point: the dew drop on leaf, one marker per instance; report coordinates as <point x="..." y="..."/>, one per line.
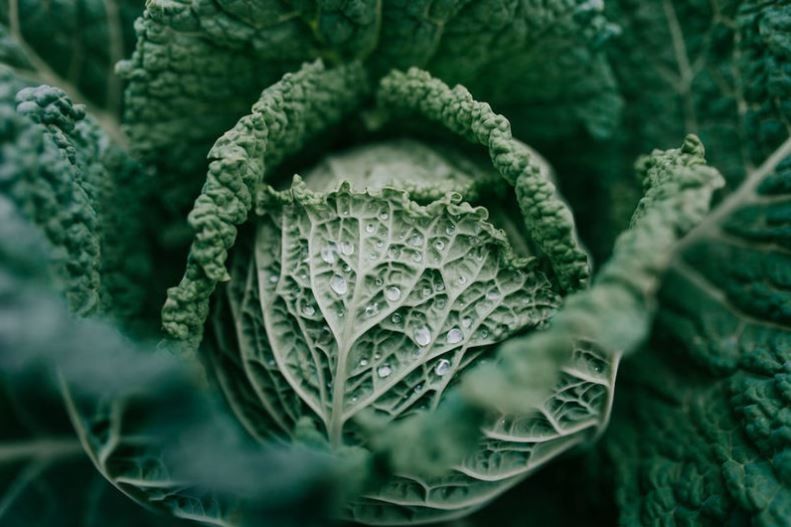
<point x="347" y="248"/>
<point x="371" y="309"/>
<point x="455" y="336"/>
<point x="439" y="245"/>
<point x="396" y="318"/>
<point x="493" y="295"/>
<point x="442" y="367"/>
<point x="308" y="310"/>
<point x="384" y="371"/>
<point x="466" y="322"/>
<point x="339" y="285"/>
<point x="370" y="228"/>
<point x="392" y="293"/>
<point x="422" y="336"/>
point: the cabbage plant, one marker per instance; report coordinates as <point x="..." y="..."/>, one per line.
<point x="299" y="262"/>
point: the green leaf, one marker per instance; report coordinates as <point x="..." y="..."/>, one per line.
<point x="73" y="45"/>
<point x="718" y="69"/>
<point x="200" y="64"/>
<point x="548" y="220"/>
<point x="288" y="115"/>
<point x="701" y="435"/>
<point x="85" y="192"/>
<point x="45" y="476"/>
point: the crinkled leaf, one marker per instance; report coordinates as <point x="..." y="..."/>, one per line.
<point x="287" y="116"/>
<point x="85" y="192"/>
<point x="718" y="69"/>
<point x="200" y="64"/>
<point x="702" y="432"/>
<point x="73" y="45"/>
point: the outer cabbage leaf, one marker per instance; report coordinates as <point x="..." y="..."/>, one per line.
<point x="41" y="457"/>
<point x="83" y="190"/>
<point x="717" y="68"/>
<point x="73" y="45"/>
<point x="702" y="432"/>
<point x="76" y="415"/>
<point x="199" y="64"/>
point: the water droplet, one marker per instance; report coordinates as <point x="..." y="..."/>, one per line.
<point x="466" y="322"/>
<point x="271" y="363"/>
<point x="441" y="303"/>
<point x="371" y="309"/>
<point x="396" y="318"/>
<point x="371" y="257"/>
<point x="392" y="293"/>
<point x="347" y="268"/>
<point x="328" y="254"/>
<point x="384" y="371"/>
<point x="425" y="292"/>
<point x="462" y="279"/>
<point x="493" y="295"/>
<point x="347" y="248"/>
<point x="377" y="356"/>
<point x="379" y="281"/>
<point x="339" y="285"/>
<point x="442" y="367"/>
<point x="304" y="277"/>
<point x="341" y="312"/>
<point x="455" y="336"/>
<point x="273" y="279"/>
<point x="353" y="399"/>
<point x="439" y="287"/>
<point x="370" y="228"/>
<point x="417" y="257"/>
<point x="363" y="362"/>
<point x="418" y="388"/>
<point x="416" y="240"/>
<point x="598" y="368"/>
<point x="480" y="256"/>
<point x="450" y="229"/>
<point x="422" y="336"/>
<point x="308" y="310"/>
<point x="484" y="333"/>
<point x="380" y="244"/>
<point x="383" y="216"/>
<point x="439" y="245"/>
<point x="393" y="252"/>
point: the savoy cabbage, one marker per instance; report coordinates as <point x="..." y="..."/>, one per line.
<point x="392" y="262"/>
